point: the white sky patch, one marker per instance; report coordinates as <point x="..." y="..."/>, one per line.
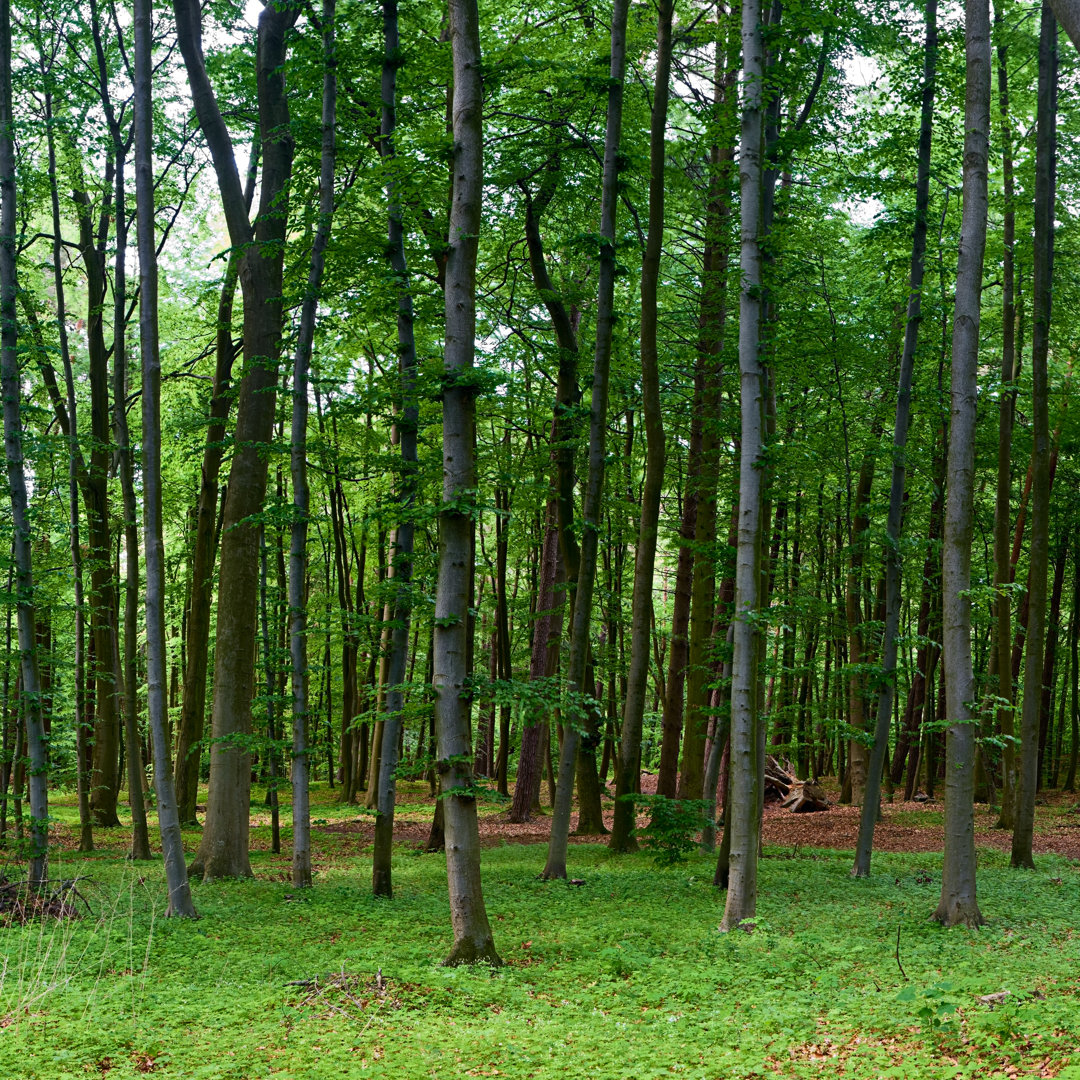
<point x="252" y="11"/>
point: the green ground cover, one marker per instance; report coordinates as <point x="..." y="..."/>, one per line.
<point x="624" y="976"/>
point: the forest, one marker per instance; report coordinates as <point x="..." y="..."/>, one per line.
<point x="588" y="475"/>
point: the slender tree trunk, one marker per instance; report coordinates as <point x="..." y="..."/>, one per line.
<point x="1039" y="556"/>
<point x="193" y="701"/>
<point x="893" y="567"/>
<point x="172" y="845"/>
<point x="1074" y="670"/>
<point x="1006" y="408"/>
<point x="16" y="474"/>
<point x="743" y="815"/>
<point x="591" y="504"/>
<point x="473" y="942"/>
<point x="958" y="894"/>
<point x="543" y="665"/>
<point x="224" y="848"/>
<point x="407" y="425"/>
<point x="627" y="775"/>
<point x="140" y="838"/>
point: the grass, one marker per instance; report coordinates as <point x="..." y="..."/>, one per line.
<point x="625" y="976"/>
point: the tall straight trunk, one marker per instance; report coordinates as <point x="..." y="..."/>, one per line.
<point x="407" y="424"/>
<point x="298" y="625"/>
<point x="193" y="702"/>
<point x="125" y="667"/>
<point x="105" y="782"/>
<point x="140" y="839"/>
<point x="1046" y="688"/>
<point x="1039" y="550"/>
<point x="1074" y="672"/>
<point x="712" y="318"/>
<point x="16" y="474"/>
<point x="958" y="894"/>
<point x="746" y="766"/>
<point x="853" y="612"/>
<point x="473" y="942"/>
<point x="893" y="567"/>
<point x="594" y="484"/>
<point x="543" y="664"/>
<point x="223" y="851"/>
<point x="1006" y="409"/>
<point x="84" y="722"/>
<point x="172" y="845"/>
<point x="641" y="616"/>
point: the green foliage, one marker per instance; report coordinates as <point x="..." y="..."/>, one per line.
<point x="673" y="826"/>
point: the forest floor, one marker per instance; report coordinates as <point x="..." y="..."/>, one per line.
<point x="904" y="826"/>
<point x="623" y="978"/>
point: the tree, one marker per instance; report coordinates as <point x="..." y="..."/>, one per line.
<point x="747" y="761"/>
<point x="893" y="569"/>
<point x="473" y="942"/>
<point x="223" y="851"/>
<point x="958" y="889"/>
<point x="1028" y="774"/>
<point x="16" y="475"/>
<point x="180" y="902"/>
<point x="622" y="835"/>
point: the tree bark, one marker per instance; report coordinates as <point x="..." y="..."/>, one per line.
<point x="16" y="475"/>
<point x="958" y="891"/>
<point x="627" y="774"/>
<point x="1039" y="551"/>
<point x="746" y="763"/>
<point x="473" y="942"/>
<point x="193" y="703"/>
<point x="407" y="425"/>
<point x="591" y="503"/>
<point x="1003" y="571"/>
<point x="224" y="848"/>
<point x="172" y="845"/>
<point x="893" y="566"/>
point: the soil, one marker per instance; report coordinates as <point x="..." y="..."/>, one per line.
<point x="905" y="826"/>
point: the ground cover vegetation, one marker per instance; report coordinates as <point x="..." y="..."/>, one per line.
<point x="599" y="417"/>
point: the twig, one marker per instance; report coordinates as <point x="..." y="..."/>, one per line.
<point x="898" y="964"/>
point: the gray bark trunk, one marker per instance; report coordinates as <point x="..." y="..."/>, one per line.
<point x="958" y="891"/>
<point x="590" y="511"/>
<point x="893" y="566"/>
<point x="407" y="424"/>
<point x="1006" y="406"/>
<point x="1039" y="557"/>
<point x="473" y="942"/>
<point x="627" y="774"/>
<point x="16" y="475"/>
<point x="172" y="845"/>
<point x="743" y="816"/>
<point x="224" y="848"/>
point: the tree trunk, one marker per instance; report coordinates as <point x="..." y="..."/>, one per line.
<point x="193" y="702"/>
<point x="13" y="453"/>
<point x="958" y="893"/>
<point x="893" y="566"/>
<point x="172" y="845"/>
<point x="743" y="815"/>
<point x="407" y="424"/>
<point x="543" y="665"/>
<point x="1006" y="409"/>
<point x="591" y="504"/>
<point x="627" y="774"/>
<point x="1039" y="551"/>
<point x="224" y="848"/>
<point x="140" y="839"/>
<point x="473" y="942"/>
